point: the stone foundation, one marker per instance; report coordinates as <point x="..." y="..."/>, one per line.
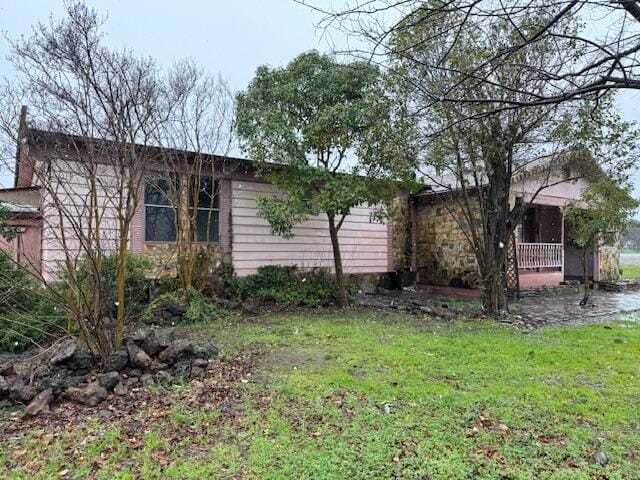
<point x="163" y="258"/>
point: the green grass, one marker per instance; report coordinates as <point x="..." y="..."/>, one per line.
<point x="465" y="400"/>
<point x="630" y="272"/>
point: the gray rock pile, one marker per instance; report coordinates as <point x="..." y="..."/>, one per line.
<point x="149" y="356"/>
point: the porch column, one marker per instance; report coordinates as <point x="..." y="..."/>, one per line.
<point x="562" y="239"/>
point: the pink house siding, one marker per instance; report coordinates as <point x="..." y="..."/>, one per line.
<point x="364" y="244"/>
<point x="225" y="219"/>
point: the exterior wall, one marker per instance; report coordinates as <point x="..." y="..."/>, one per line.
<point x="442" y="249"/>
<point x="364" y="244"/>
<point x="162" y="257"/>
<point x="68" y="188"/>
<point x="26" y="247"/>
<point x="21" y="196"/>
<point x="540" y="279"/>
<point x="609" y="263"/>
<point x="560" y="194"/>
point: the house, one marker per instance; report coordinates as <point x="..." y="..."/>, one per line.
<point x="424" y="239"/>
<point x="544" y="253"/>
<point x="240" y="237"/>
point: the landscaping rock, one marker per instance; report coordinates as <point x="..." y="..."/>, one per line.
<point x="19" y="392"/>
<point x="197" y="372"/>
<point x="64" y="352"/>
<point x="169" y="312"/>
<point x="227" y="304"/>
<point x="250" y="307"/>
<point x="109" y="380"/>
<point x="178" y="350"/>
<point x="182" y="370"/>
<point x="147" y="380"/>
<point x="4" y="388"/>
<point x="204" y="351"/>
<point x="104" y="414"/>
<point x="157" y="365"/>
<point x="601" y="458"/>
<point x="61" y="381"/>
<point x="117" y="361"/>
<point x="133" y="381"/>
<point x="7" y="369"/>
<point x="200" y="362"/>
<point x="157" y="340"/>
<point x="39" y="404"/>
<point x="120" y="389"/>
<point x="81" y="361"/>
<point x="90" y="395"/>
<point x="164" y="377"/>
<point x="137" y="356"/>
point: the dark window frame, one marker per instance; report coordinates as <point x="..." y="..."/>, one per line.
<point x="214" y="232"/>
<point x="213" y="207"/>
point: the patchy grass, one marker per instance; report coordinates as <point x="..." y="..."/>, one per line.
<point x="376" y="396"/>
<point x="630" y="272"/>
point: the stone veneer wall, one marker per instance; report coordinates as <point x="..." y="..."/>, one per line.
<point x="162" y="257"/>
<point x="400" y="241"/>
<point x="609" y="263"/>
<point x="442" y="249"/>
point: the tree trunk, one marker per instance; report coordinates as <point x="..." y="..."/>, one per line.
<point x="585" y="279"/>
<point x="495" y="241"/>
<point x="337" y="261"/>
<point x="121" y="279"/>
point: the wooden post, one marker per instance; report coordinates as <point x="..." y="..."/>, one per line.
<point x="562" y="239"/>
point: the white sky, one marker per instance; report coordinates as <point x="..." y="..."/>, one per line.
<point x="227" y="37"/>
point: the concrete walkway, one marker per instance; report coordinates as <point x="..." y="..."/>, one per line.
<point x="564" y="309"/>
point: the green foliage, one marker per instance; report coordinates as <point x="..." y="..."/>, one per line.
<point x="287" y="286"/>
<point x="601" y="213"/>
<point x="26" y="315"/>
<point x="6" y="231"/>
<point x="136" y="283"/>
<point x="199" y="308"/>
<point x="320" y="119"/>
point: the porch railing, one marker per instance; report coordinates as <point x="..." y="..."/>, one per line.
<point x="539" y="255"/>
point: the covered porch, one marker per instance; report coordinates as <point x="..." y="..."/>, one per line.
<point x="544" y="253"/>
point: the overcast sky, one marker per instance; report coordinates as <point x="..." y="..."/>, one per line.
<point x="227" y="37"/>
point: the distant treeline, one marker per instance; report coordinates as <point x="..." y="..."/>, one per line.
<point x="630" y="239"/>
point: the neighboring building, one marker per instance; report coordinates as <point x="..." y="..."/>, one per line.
<point x="544" y="251"/>
<point x="25" y="247"/>
<point x="240" y="237"/>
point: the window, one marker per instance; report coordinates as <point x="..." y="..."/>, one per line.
<point x="207" y="203"/>
<point x="160" y="215"/>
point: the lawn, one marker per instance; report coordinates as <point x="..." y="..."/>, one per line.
<point x="371" y="396"/>
<point x="630" y="272"/>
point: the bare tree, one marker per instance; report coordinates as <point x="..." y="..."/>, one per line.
<point x="196" y="137"/>
<point x="473" y="149"/>
<point x="100" y="109"/>
<point x="604" y="54"/>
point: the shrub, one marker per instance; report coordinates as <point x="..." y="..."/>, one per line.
<point x="287" y="286"/>
<point x="136" y="283"/>
<point x="199" y="308"/>
<point x="26" y="314"/>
